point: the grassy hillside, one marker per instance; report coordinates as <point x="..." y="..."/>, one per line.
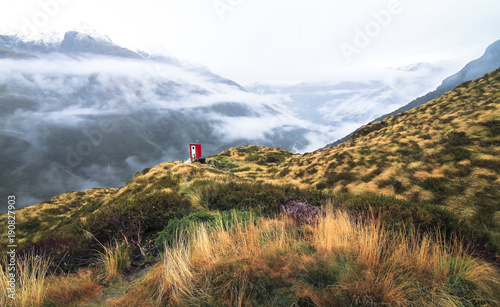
<point x="410" y="217"/>
<point x="446" y="152"/>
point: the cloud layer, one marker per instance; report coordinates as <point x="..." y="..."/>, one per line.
<point x="73" y="123"/>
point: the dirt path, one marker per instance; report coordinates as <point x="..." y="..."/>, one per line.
<point x="116" y="291"/>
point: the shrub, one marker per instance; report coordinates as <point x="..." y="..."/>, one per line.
<point x="365" y="130"/>
<point x="410" y="151"/>
<point x="272" y="159"/>
<point x="169" y="181"/>
<point x="299" y="174"/>
<point x="273" y="170"/>
<point x="247" y="149"/>
<point x="253" y="158"/>
<point x="284" y="172"/>
<point x="243" y="169"/>
<point x="489" y="164"/>
<point x="225" y="165"/>
<point x="67" y="251"/>
<point x="453" y="147"/>
<point x="261" y="198"/>
<point x="456" y="153"/>
<point x="176" y="227"/>
<point x="426" y="217"/>
<point x="493" y="126"/>
<point x="370" y="176"/>
<point x="144" y="215"/>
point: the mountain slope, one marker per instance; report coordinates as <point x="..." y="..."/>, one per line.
<point x="489" y="61"/>
<point x="444" y="152"/>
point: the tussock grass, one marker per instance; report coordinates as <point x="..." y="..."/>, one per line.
<point x="36" y="286"/>
<point x="115" y="259"/>
<point x="51" y="218"/>
<point x="72" y="289"/>
<point x="340" y="260"/>
<point x="31" y="281"/>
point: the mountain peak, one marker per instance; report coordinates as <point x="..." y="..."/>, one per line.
<point x="79" y="40"/>
<point x="76" y="35"/>
<point x="85" y="30"/>
<point x="91" y="42"/>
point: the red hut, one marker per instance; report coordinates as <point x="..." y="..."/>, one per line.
<point x="194" y="152"/>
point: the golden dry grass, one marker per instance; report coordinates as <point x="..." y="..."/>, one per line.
<point x="72" y="289"/>
<point x="48" y="217"/>
<point x="35" y="286"/>
<point x="30" y="281"/>
<point x="221" y="267"/>
<point x="115" y="259"/>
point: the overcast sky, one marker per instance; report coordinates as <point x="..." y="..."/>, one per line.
<point x="279" y="40"/>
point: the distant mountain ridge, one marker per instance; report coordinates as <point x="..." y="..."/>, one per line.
<point x="76" y="43"/>
<point x="73" y="42"/>
<point x="489" y="61"/>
